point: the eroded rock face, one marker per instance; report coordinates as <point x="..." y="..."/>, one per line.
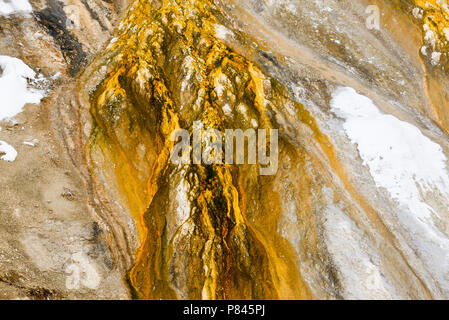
<point x="51" y="244"/>
<point x="329" y="223"/>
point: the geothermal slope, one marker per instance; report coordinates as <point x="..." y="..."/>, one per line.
<point x="92" y="206"/>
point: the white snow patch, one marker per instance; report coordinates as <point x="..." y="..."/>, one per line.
<point x="14" y="90"/>
<point x="8" y="7"/>
<point x="7" y="152"/>
<point x="291" y="7"/>
<point x="408" y="165"/>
